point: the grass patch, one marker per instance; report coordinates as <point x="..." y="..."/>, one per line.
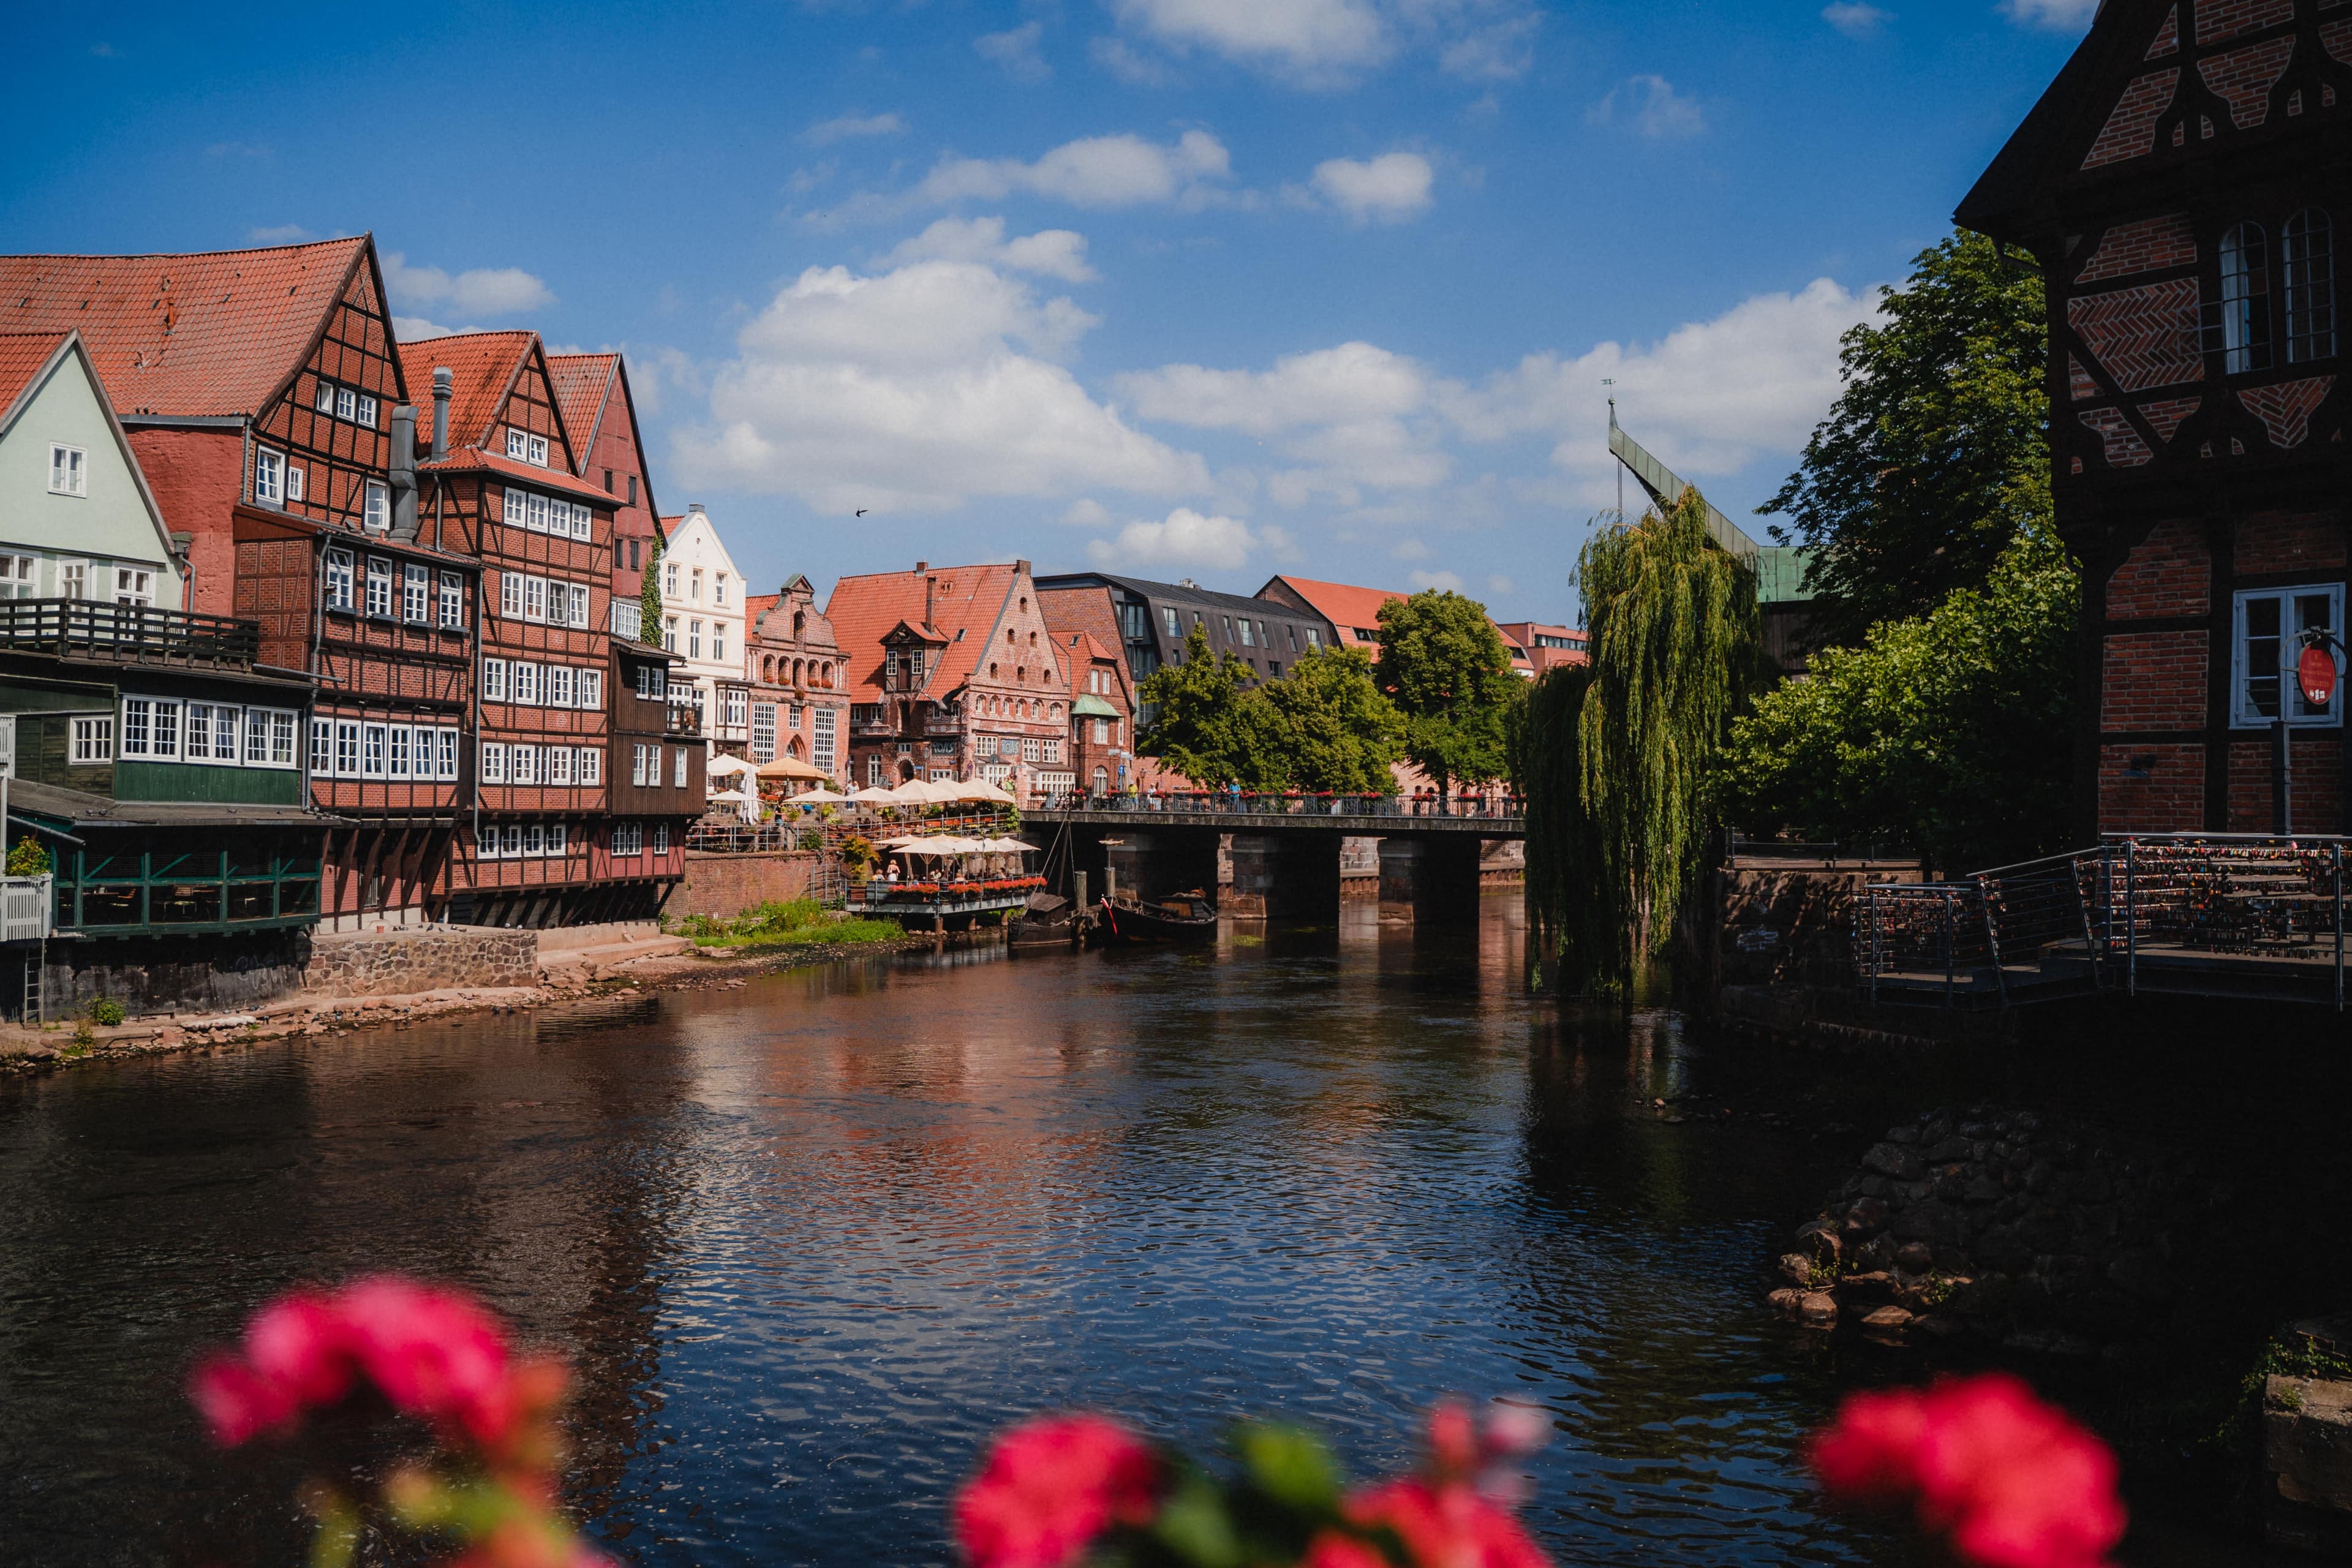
<point x="804" y="922"/>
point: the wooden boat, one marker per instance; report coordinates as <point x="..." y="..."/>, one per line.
<point x="1048" y="919"/>
<point x="1182" y="916"/>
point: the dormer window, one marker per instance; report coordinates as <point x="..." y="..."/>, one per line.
<point x="2307" y="250"/>
<point x="529" y="449"/>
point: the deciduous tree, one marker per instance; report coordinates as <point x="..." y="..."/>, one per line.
<point x="1445" y="668"/>
<point x="1212" y="724"/>
<point x="1339" y="732"/>
<point x="1935" y="456"/>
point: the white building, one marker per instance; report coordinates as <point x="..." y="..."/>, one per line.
<point x="702" y="623"/>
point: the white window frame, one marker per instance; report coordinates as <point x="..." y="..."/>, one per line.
<point x="2243" y="713"/>
<point x="591" y="765"/>
<point x="485" y="843"/>
<point x="556" y="837"/>
<point x="68" y="470"/>
<point x="366" y="413"/>
<point x="347" y="402"/>
<point x="93" y="740"/>
<point x="578" y="595"/>
<point x="269" y="476"/>
<point x="513" y="840"/>
<point x="347" y="748"/>
<point x="134" y="586"/>
<point x="377" y="517"/>
<point x="341" y="588"/>
<point x="534" y="599"/>
<point x="494" y="681"/>
<point x="526" y="683"/>
<point x="373" y="739"/>
<point x="562" y="686"/>
<point x="293" y="481"/>
<point x="661" y="837"/>
<point x="510" y="595"/>
<point x="453" y="602"/>
<point x="396" y="751"/>
<point x="322" y="748"/>
<point x="73" y="578"/>
<point x="415" y="593"/>
<point x="592" y="688"/>
<point x="679" y="782"/>
<point x="494" y="763"/>
<point x="378" y="606"/>
<point x="628" y="839"/>
<point x="445" y="755"/>
<point x="559" y="766"/>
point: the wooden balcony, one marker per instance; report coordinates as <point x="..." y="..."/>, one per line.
<point x="83" y="628"/>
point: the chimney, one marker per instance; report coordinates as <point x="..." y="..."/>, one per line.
<point x="930" y="586"/>
<point x="444" y="382"/>
<point x="693" y="508"/>
<point x="922" y="566"/>
<point x="403" y="472"/>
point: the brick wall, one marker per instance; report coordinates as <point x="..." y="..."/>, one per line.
<point x="2152" y="788"/>
<point x="2130" y="130"/>
<point x="724" y="885"/>
<point x="196" y="476"/>
<point x="2318" y="783"/>
<point x="2245" y="77"/>
<point x="2289" y="542"/>
<point x="2153" y="681"/>
<point x="2169" y="573"/>
<point x="2150" y="246"/>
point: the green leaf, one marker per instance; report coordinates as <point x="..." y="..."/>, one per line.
<point x="1290" y="1466"/>
<point x="1195" y="1524"/>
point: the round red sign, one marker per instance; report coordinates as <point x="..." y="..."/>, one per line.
<point x="2317" y="673"/>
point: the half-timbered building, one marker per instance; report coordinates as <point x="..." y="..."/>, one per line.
<point x="264" y="396"/>
<point x="600" y="415"/>
<point x="500" y="482"/>
<point x="2178" y="185"/>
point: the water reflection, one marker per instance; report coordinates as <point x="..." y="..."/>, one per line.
<point x="811" y="1241"/>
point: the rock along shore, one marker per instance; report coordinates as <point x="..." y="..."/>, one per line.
<point x="2005" y="1227"/>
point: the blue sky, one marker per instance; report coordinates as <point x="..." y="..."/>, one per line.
<point x="1205" y="288"/>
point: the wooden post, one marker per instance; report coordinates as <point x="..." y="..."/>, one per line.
<point x="2281" y="781"/>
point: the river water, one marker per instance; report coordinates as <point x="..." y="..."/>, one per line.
<point x="810" y="1241"/>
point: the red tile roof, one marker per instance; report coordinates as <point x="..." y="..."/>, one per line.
<point x="554" y="481"/>
<point x="865" y="610"/>
<point x="206" y="334"/>
<point x="582" y="383"/>
<point x="22" y="355"/>
<point x="482" y="366"/>
<point x="758" y="605"/>
<point x="1345" y="606"/>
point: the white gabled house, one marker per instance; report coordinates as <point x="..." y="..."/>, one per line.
<point x="702" y="598"/>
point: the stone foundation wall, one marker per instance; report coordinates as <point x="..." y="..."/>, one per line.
<point x="224" y="974"/>
<point x="402" y="963"/>
<point x="724" y="885"/>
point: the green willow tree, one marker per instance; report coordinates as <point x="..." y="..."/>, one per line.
<point x="1615" y="759"/>
<point x="1935" y="455"/>
<point x="1445" y="666"/>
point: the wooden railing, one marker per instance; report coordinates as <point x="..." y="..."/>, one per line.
<point x="24" y="909"/>
<point x="139" y="632"/>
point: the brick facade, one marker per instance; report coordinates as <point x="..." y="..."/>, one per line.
<point x="2154" y="788"/>
<point x="2290" y="543"/>
<point x="2154" y="680"/>
<point x="2169" y="573"/>
<point x="2151" y="245"/>
<point x="2318" y="785"/>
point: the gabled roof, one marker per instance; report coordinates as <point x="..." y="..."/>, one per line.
<point x="554" y="479"/>
<point x="1345" y="606"/>
<point x="582" y="386"/>
<point x="1071" y="581"/>
<point x="26" y="361"/>
<point x="483" y="368"/>
<point x="204" y="334"/>
<point x="758" y="605"/>
<point x="967" y="599"/>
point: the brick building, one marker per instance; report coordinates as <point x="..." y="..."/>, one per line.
<point x="1086" y="626"/>
<point x="601" y="416"/>
<point x="264" y="397"/>
<point x="501" y="484"/>
<point x="953" y="674"/>
<point x="2178" y="183"/>
<point x="800" y="701"/>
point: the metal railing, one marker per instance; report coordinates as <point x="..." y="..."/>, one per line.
<point x="1211" y="803"/>
<point x="127" y="631"/>
<point x="2208" y="913"/>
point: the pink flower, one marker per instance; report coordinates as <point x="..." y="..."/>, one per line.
<point x="236" y="1402"/>
<point x="1329" y="1549"/>
<point x="1052" y="1485"/>
<point x="2013" y="1482"/>
<point x="433" y="1353"/>
<point x="1444" y="1527"/>
<point x="298" y="1343"/>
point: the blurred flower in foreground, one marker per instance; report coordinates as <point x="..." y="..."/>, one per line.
<point x="433" y="1354"/>
<point x="2010" y="1481"/>
<point x="1056" y="1490"/>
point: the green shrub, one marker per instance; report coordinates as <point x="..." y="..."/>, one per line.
<point x="28" y="858"/>
<point x="105" y="1012"/>
<point x="812" y="842"/>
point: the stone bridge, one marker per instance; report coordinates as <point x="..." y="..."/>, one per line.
<point x="1286" y="855"/>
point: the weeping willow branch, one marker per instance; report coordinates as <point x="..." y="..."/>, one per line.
<point x="1616" y="755"/>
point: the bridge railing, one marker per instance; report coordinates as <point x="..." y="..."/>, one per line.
<point x="1213" y="802"/>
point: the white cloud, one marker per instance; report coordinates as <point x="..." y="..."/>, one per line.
<point x="1445" y="582"/>
<point x="1127" y="63"/>
<point x="1015" y="50"/>
<point x="1708" y="398"/>
<point x="488" y="290"/>
<point x="918" y="389"/>
<point x="1501" y="52"/>
<point x="1053" y="252"/>
<point x="1085" y="512"/>
<point x="1651" y="106"/>
<point x="1500" y="586"/>
<point x="1854" y="19"/>
<point x="1314" y="41"/>
<point x="2059" y="15"/>
<point x="1389" y="188"/>
<point x="417" y="328"/>
<point x="1409" y="550"/>
<point x="842" y="128"/>
<point x="1185" y="538"/>
<point x="1096" y="171"/>
<point x="280" y="234"/>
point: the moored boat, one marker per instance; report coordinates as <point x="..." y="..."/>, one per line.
<point x="1182" y="917"/>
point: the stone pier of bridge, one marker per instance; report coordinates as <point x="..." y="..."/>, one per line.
<point x="1290" y="874"/>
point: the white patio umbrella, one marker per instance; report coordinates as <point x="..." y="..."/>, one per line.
<point x="981" y="789"/>
<point x="723" y="765"/>
<point x="817" y="797"/>
<point x="875" y="795"/>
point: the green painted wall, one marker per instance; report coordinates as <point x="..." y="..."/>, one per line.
<point x="111" y="524"/>
<point x="196" y="781"/>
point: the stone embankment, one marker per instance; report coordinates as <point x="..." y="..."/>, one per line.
<point x="2003" y="1228"/>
